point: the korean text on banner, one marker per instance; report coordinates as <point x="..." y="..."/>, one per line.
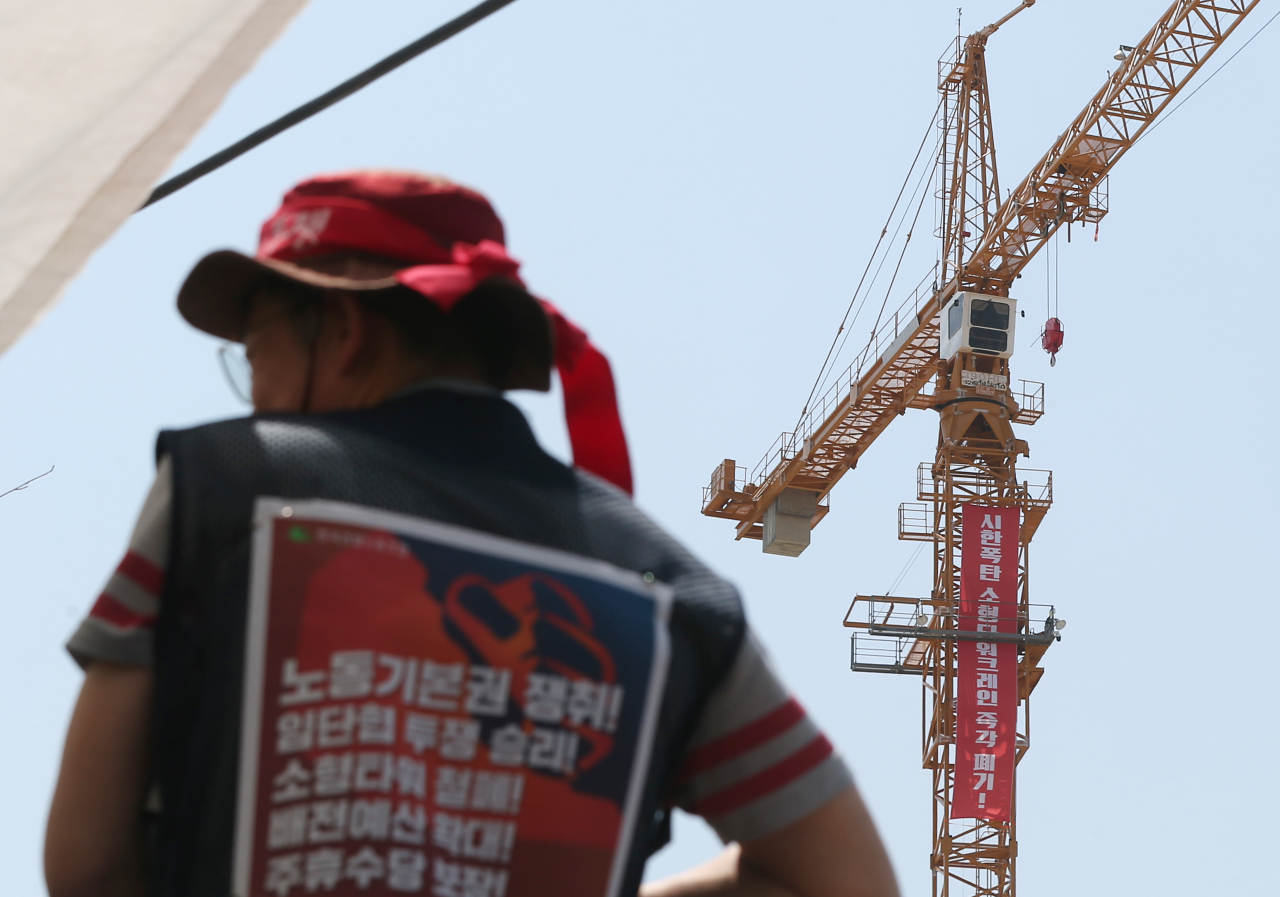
<point x="430" y="710"/>
<point x="987" y="705"/>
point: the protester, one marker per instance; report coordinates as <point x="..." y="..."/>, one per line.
<point x="372" y="639"/>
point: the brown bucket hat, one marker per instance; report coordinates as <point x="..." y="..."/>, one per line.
<point x="366" y="231"/>
<point x="345" y="231"/>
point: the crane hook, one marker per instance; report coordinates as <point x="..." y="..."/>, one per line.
<point x="1051" y="339"/>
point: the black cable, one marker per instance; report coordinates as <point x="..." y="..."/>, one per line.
<point x="325" y="100"/>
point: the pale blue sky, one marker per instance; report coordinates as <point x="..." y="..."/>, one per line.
<point x="699" y="185"/>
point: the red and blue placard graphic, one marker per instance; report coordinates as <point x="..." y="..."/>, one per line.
<point x="431" y="710"/>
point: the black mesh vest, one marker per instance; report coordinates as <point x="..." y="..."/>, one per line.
<point x="462" y="459"/>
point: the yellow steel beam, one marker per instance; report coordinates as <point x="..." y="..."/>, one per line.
<point x="1058" y="187"/>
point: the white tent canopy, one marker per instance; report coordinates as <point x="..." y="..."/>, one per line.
<point x="97" y="100"/>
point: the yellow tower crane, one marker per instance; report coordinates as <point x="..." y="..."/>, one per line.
<point x="947" y="348"/>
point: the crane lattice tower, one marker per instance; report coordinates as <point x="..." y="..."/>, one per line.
<point x="947" y="348"/>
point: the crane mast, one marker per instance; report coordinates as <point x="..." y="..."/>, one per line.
<point x="944" y="336"/>
<point x="975" y="463"/>
<point x="971" y="188"/>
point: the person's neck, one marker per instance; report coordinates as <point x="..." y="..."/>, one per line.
<point x="380" y="384"/>
<point x="446" y="384"/>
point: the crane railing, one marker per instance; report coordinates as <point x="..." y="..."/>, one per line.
<point x="891" y="633"/>
<point x="898" y="360"/>
<point x="891" y="328"/>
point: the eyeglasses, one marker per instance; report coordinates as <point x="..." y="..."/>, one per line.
<point x="236" y="368"/>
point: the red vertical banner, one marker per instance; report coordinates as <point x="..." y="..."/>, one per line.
<point x="987" y="703"/>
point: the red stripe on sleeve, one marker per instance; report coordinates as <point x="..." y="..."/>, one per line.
<point x="766" y="781"/>
<point x="739" y="741"/>
<point x="112" y="611"/>
<point x="143" y="572"/>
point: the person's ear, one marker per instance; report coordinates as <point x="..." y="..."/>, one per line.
<point x="351" y="331"/>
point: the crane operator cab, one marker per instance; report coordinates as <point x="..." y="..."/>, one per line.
<point x="977" y="323"/>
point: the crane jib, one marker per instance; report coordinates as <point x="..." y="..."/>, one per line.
<point x="1067" y="185"/>
<point x="974" y="638"/>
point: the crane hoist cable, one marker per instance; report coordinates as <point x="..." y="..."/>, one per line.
<point x="327" y="99"/>
<point x="1052" y="334"/>
<point x="1048" y="281"/>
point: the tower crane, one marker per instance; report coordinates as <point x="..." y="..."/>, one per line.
<point x="947" y="348"/>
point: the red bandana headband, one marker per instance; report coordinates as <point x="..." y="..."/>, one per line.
<point x="310" y="226"/>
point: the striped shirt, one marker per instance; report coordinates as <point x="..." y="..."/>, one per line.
<point x="120" y="624"/>
<point x="756" y="763"/>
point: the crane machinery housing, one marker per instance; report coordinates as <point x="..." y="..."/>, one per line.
<point x="947" y="347"/>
